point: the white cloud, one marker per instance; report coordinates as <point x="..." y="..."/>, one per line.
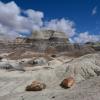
<point x="62" y="25"/>
<point x="94" y="11"/>
<point x="6" y="33"/>
<point x="86" y="37"/>
<point x="36" y="16"/>
<point x="12" y="22"/>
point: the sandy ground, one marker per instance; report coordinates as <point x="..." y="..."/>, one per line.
<point x="13" y="83"/>
<point x="12" y="87"/>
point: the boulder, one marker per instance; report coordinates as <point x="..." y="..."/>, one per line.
<point x="68" y="82"/>
<point x="11" y="64"/>
<point x="38" y="61"/>
<point x="35" y="86"/>
<point x="5" y="65"/>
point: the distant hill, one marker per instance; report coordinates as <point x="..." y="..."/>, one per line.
<point x="95" y="45"/>
<point x="44" y="35"/>
<point x="51" y="42"/>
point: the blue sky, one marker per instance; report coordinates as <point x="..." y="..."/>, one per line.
<point x="85" y="14"/>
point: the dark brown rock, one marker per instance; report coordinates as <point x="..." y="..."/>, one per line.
<point x="35" y="86"/>
<point x="54" y="56"/>
<point x="1" y="58"/>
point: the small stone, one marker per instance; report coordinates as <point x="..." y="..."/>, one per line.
<point x="53" y="97"/>
<point x="54" y="56"/>
<point x="1" y="58"/>
<point x="68" y="82"/>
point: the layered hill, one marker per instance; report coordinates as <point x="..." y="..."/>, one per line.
<point x="50" y="42"/>
<point x="44" y="35"/>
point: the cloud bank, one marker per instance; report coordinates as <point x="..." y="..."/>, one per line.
<point x="62" y="25"/>
<point x="86" y="37"/>
<point x="15" y="21"/>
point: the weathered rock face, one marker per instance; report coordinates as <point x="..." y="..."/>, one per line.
<point x="95" y="45"/>
<point x="41" y="40"/>
<point x="52" y="42"/>
<point x="84" y="67"/>
<point x="47" y="34"/>
<point x="19" y="40"/>
<point x="44" y="35"/>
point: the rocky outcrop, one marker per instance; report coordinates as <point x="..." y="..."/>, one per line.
<point x="38" y="61"/>
<point x="95" y="46"/>
<point x="44" y="35"/>
<point x="41" y="40"/>
<point x="19" y="40"/>
<point x="84" y="67"/>
<point x="11" y="65"/>
<point x="48" y="34"/>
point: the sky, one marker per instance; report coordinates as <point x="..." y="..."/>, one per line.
<point x="79" y="19"/>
